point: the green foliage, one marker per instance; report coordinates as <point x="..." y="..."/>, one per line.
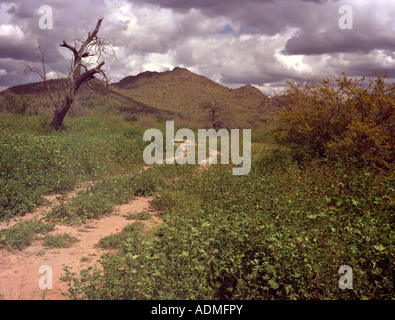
<point x="143" y="215"/>
<point x="13" y="103"/>
<point x="280" y="233"/>
<point x="158" y="177"/>
<point x="101" y="198"/>
<point x="22" y="234"/>
<point x="95" y="201"/>
<point x="342" y="118"/>
<point x="64" y="240"/>
<point x="33" y="164"/>
<point x="115" y="241"/>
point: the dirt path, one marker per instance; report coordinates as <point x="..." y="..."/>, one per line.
<point x="184" y="144"/>
<point x="19" y="270"/>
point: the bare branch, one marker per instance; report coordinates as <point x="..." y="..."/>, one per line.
<point x="68" y="46"/>
<point x="91" y="37"/>
<point x="84" y="66"/>
<point x="42" y="73"/>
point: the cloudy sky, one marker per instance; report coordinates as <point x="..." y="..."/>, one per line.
<point x="234" y="42"/>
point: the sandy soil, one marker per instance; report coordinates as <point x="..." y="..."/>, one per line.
<point x="19" y="270"/>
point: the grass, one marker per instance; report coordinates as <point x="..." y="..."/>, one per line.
<point x="86" y="228"/>
<point x="22" y="234"/>
<point x="34" y="162"/>
<point x="98" y="200"/>
<point x="64" y="240"/>
<point x="281" y="232"/>
<point x="184" y="93"/>
<point x="143" y="215"/>
<point x="114" y="241"/>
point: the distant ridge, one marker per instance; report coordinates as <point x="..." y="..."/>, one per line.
<point x="163" y="95"/>
<point x="132" y="79"/>
<point x="181" y="90"/>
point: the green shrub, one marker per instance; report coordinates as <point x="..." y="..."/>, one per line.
<point x="115" y="241"/>
<point x="13" y="103"/>
<point x="32" y="165"/>
<point x="64" y="240"/>
<point x="22" y="234"/>
<point x="341" y="118"/>
<point x="143" y="215"/>
<point x="280" y="233"/>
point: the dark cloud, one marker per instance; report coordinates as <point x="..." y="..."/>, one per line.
<point x="264" y="16"/>
<point x="335" y="41"/>
<point x="262" y="42"/>
<point x="250" y="13"/>
<point x="210" y="4"/>
<point x="362" y="65"/>
<point x="70" y="22"/>
<point x="372" y="29"/>
<point x="17" y="49"/>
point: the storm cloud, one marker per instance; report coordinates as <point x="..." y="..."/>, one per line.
<point x="262" y="42"/>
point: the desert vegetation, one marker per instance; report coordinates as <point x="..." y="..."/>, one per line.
<point x="320" y="193"/>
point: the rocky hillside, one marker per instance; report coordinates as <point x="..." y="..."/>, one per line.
<point x="162" y="95"/>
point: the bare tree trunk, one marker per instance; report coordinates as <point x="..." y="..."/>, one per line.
<point x="76" y="81"/>
<point x="214" y="108"/>
<point x="81" y="70"/>
<point x="61" y="111"/>
<point x="76" y="77"/>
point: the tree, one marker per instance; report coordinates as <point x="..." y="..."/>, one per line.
<point x="85" y="65"/>
<point x="216" y="113"/>
<point x="341" y="118"/>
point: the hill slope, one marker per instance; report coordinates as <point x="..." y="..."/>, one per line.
<point x="181" y="90"/>
<point x="161" y="95"/>
<point x="33" y="98"/>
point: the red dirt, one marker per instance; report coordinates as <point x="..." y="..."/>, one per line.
<point x="19" y="270"/>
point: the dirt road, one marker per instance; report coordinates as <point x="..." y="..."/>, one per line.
<point x="19" y="270"/>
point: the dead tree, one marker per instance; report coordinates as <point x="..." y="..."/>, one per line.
<point x="42" y="73"/>
<point x="215" y="109"/>
<point x="84" y="66"/>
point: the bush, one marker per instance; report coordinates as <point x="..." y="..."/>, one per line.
<point x="12" y="103"/>
<point x="341" y="118"/>
<point x="143" y="215"/>
<point x="96" y="201"/>
<point x="64" y="240"/>
<point x="115" y="241"/>
<point x="33" y="164"/>
<point x="280" y="233"/>
<point x="22" y="234"/>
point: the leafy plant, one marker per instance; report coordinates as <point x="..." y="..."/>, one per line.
<point x="35" y="164"/>
<point x="22" y="234"/>
<point x="64" y="240"/>
<point x="114" y="241"/>
<point x="342" y="118"/>
<point x="143" y="215"/>
<point x="280" y="233"/>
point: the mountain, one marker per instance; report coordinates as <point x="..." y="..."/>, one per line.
<point x="90" y="98"/>
<point x="128" y="81"/>
<point x="181" y="90"/>
<point x="177" y="93"/>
